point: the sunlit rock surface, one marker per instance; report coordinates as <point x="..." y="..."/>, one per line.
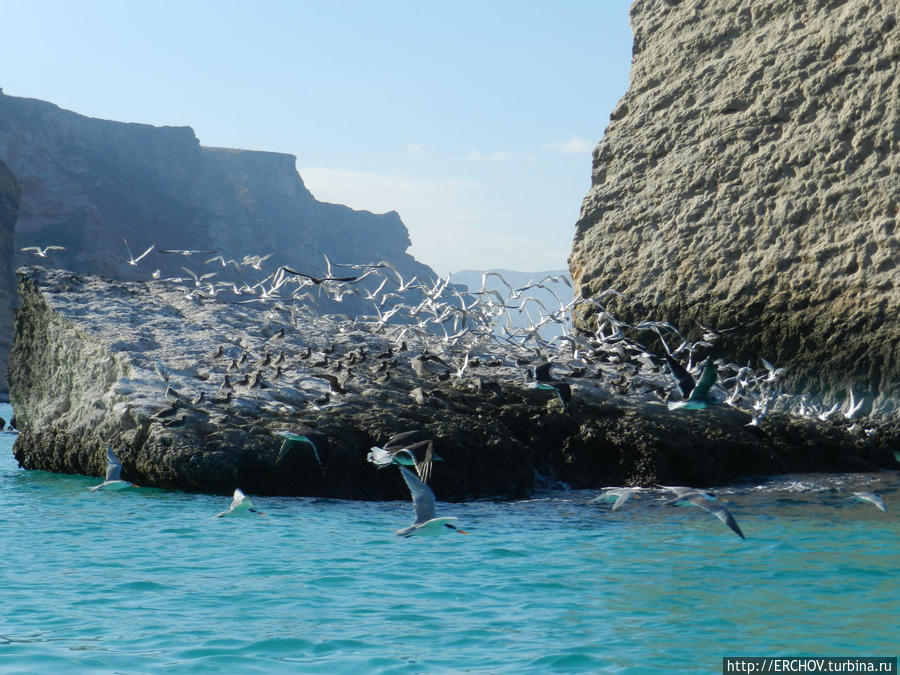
<point x="748" y="180"/>
<point x="142" y="366"/>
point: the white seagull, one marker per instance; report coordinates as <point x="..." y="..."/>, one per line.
<point x="42" y="252"/>
<point x="131" y="259"/>
<point x="872" y="498"/>
<point x="423" y="504"/>
<point x="620" y="494"/>
<point x="687" y="495"/>
<point x="113" y="473"/>
<point x="240" y="506"/>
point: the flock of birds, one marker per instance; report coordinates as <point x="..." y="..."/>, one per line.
<point x="459" y="329"/>
<point x="404" y="450"/>
<point x="530" y="325"/>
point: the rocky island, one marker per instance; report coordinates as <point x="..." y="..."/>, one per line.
<point x="193" y="392"/>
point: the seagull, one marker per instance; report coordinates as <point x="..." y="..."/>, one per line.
<point x="687" y="495"/>
<point x="131" y="259"/>
<point x="620" y="494"/>
<point x="113" y="473"/>
<point x="181" y="251"/>
<point x="42" y="252"/>
<point x="398" y="450"/>
<point x="315" y="439"/>
<point x="423" y="504"/>
<point x="240" y="506"/>
<point x="873" y="498"/>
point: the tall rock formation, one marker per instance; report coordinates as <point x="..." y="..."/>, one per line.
<point x="9" y="208"/>
<point x="748" y="179"/>
<point x="87" y="184"/>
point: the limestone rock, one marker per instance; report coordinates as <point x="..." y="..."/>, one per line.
<point x="9" y="208"/>
<point x="748" y="179"/>
<point x="192" y="394"/>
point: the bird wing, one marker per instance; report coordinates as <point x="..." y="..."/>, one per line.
<point x="422" y="496"/>
<point x="400" y="440"/>
<point x="113" y="465"/>
<point x="707" y="380"/>
<point x="716" y="509"/>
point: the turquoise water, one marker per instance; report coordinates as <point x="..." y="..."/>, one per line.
<point x="147" y="581"/>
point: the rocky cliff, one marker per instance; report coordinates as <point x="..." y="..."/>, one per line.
<point x="193" y="392"/>
<point x="9" y="208"/>
<point x="748" y="180"/>
<point x="87" y="184"/>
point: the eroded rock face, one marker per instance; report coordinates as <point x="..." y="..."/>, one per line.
<point x="750" y="179"/>
<point x="143" y="367"/>
<point x="9" y="208"/>
<point x="87" y="184"/>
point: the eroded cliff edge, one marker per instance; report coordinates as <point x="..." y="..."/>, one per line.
<point x="748" y="180"/>
<point x="9" y="209"/>
<point x="143" y="367"/>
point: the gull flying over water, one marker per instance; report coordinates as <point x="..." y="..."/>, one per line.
<point x="687" y="495"/>
<point x="113" y="473"/>
<point x="315" y="439"/>
<point x="423" y="504"/>
<point x="402" y="451"/>
<point x="240" y="506"/>
<point x="619" y="494"/>
<point x="872" y="498"/>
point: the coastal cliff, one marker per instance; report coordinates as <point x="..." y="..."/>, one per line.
<point x="88" y="184"/>
<point x="9" y="209"/>
<point x="748" y="182"/>
<point x="192" y="393"/>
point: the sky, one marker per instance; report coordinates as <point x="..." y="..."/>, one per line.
<point x="474" y="120"/>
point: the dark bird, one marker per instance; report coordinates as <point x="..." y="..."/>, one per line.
<point x="543" y="380"/>
<point x="314" y="439"/>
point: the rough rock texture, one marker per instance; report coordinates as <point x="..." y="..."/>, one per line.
<point x="97" y="361"/>
<point x="9" y="208"/>
<point x="89" y="183"/>
<point x="750" y="179"/>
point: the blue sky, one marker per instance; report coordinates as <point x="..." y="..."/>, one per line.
<point x="474" y="120"/>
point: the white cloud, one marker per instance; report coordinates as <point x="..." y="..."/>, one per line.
<point x="414" y="149"/>
<point x="574" y="146"/>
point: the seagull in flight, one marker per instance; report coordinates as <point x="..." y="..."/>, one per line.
<point x="240" y="506"/>
<point x="423" y="504"/>
<point x="619" y="494"/>
<point x="687" y="495"/>
<point x="400" y="450"/>
<point x="315" y="439"/>
<point x="42" y="252"/>
<point x="113" y="473"/>
<point x="872" y="498"/>
<point x="131" y="259"/>
<point x="182" y="251"/>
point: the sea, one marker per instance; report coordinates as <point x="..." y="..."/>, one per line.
<point x="144" y="580"/>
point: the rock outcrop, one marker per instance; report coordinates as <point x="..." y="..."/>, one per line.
<point x="192" y="393"/>
<point x="748" y="180"/>
<point x="87" y="184"/>
<point x="9" y="209"/>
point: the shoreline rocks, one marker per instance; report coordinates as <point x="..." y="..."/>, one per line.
<point x="141" y="366"/>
